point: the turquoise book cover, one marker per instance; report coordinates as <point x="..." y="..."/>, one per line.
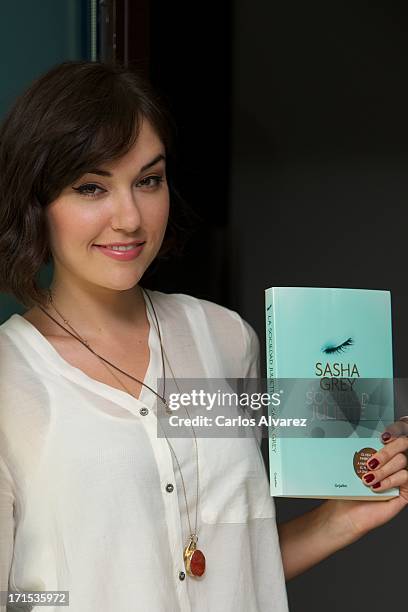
<point x="329" y="356"/>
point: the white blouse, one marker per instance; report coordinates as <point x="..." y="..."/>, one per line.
<point x="84" y="501"/>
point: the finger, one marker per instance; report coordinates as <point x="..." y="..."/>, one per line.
<point x="398" y="479"/>
<point x="395" y="430"/>
<point x="397" y="463"/>
<point x="381" y="457"/>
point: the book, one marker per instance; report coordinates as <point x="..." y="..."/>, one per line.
<point x="329" y="360"/>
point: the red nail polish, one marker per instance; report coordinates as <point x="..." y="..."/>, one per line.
<point x="372" y="464"/>
<point x="377" y="484"/>
<point x="386" y="436"/>
<point x="369" y="477"/>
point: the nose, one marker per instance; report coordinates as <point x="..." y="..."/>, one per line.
<point x="126" y="214"/>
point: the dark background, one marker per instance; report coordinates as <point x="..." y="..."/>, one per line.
<point x="293" y="119"/>
<point x="293" y="149"/>
<point x="190" y="64"/>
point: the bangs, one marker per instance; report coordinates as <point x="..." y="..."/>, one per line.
<point x="109" y="137"/>
<point x="101" y="123"/>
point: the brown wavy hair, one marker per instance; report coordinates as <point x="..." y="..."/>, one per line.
<point x="77" y="115"/>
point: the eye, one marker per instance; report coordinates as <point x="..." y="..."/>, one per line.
<point x="151" y="181"/>
<point x="329" y="350"/>
<point x="87" y="190"/>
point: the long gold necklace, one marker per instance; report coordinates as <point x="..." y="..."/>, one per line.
<point x="194" y="559"/>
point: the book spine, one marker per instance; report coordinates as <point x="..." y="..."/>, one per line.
<point x="275" y="456"/>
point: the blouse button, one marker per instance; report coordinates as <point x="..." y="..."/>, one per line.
<point x="143" y="411"/>
<point x="182" y="575"/>
<point x="169" y="487"/>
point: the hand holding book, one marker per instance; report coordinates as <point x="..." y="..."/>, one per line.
<point x="336" y="523"/>
<point x="387" y="469"/>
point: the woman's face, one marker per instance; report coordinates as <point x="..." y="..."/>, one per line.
<point x="119" y="202"/>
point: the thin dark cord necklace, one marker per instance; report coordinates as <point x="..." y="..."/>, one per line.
<point x="86" y="343"/>
<point x="194" y="559"/>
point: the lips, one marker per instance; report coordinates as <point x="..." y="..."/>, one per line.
<point x="121" y="254"/>
<point x="108" y="246"/>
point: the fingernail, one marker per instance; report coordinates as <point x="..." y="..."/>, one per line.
<point x="369" y="477"/>
<point x="377" y="484"/>
<point x="372" y="464"/>
<point x="386" y="436"/>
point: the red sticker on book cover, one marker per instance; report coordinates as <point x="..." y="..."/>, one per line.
<point x="360" y="459"/>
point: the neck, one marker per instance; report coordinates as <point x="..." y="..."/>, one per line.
<point x="107" y="312"/>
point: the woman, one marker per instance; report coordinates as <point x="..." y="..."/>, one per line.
<point x="93" y="499"/>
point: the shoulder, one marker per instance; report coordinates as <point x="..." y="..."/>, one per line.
<point x="6" y="338"/>
<point x="215" y="313"/>
<point x="18" y="378"/>
<point x="24" y="398"/>
<point x="226" y="326"/>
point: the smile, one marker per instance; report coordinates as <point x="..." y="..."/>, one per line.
<point x="121" y="253"/>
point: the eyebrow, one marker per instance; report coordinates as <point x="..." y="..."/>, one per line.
<point x="142" y="169"/>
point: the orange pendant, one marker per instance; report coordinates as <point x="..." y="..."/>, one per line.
<point x="194" y="559"/>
